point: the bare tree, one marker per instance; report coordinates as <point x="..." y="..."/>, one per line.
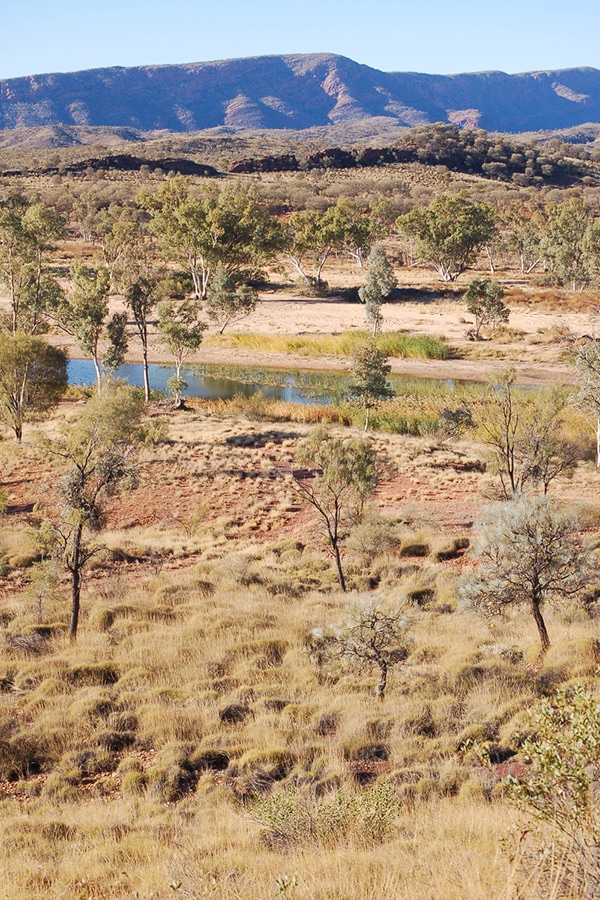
<point x="529" y="555"/>
<point x="370" y="638"/>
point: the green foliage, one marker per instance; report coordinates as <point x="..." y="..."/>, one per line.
<point x="181" y="331"/>
<point x="313" y="234"/>
<point x="95" y="450"/>
<point x="85" y="312"/>
<point x="484" y="301"/>
<point x="560" y="790"/>
<point x="227" y="301"/>
<point x="525" y="226"/>
<point x="28" y="230"/>
<point x="369" y="385"/>
<point x="33" y="378"/>
<point x="378" y="285"/>
<point x="359" y="228"/>
<point x="145" y="286"/>
<point x="116" y="331"/>
<point x="571" y="243"/>
<point x="228" y="228"/>
<point x="449" y="232"/>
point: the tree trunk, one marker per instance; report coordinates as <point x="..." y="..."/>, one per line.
<point x="75" y="567"/>
<point x="541" y="627"/>
<point x="382" y="683"/>
<point x="146" y="376"/>
<point x="98" y="373"/>
<point x="338" y="563"/>
<point x="196" y="280"/>
<point x="322" y="262"/>
<point x="297" y="264"/>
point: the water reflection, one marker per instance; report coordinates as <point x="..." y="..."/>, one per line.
<point x="298" y="386"/>
<point x="274" y="385"/>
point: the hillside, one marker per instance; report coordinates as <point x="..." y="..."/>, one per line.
<point x="297" y="92"/>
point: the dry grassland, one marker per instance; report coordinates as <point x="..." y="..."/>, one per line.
<point x="186" y="746"/>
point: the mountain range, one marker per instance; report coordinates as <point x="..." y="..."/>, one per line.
<point x="298" y="92"/>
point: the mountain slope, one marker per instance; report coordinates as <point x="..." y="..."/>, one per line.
<point x="297" y="91"/>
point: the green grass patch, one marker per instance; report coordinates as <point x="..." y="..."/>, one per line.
<point x="395" y="344"/>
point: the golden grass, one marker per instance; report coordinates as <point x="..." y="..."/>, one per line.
<point x="131" y="761"/>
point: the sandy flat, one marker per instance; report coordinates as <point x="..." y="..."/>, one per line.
<point x="535" y="357"/>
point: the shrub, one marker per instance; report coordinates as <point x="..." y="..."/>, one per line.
<point x="92" y="674"/>
<point x="561" y="791"/>
<point x="294" y="817"/>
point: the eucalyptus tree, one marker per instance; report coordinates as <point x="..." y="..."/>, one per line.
<point x="525" y="226"/>
<point x="312" y="236"/>
<point x="484" y="300"/>
<point x="449" y="233"/>
<point x="121" y="242"/>
<point x="33" y="378"/>
<point x="338" y="477"/>
<point x="568" y="243"/>
<point x="369" y="385"/>
<point x="180" y="223"/>
<point x="28" y="232"/>
<point x="379" y="284"/>
<point x="181" y="330"/>
<point x="229" y="227"/>
<point x="94" y="455"/>
<point x="227" y="301"/>
<point x="359" y="228"/>
<point x="84" y="313"/>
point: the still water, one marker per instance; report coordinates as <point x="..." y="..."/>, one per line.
<point x="225" y="382"/>
<point x="211" y="382"/>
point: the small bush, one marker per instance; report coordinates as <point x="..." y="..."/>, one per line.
<point x="234" y="714"/>
<point x="414" y="548"/>
<point x="360" y="751"/>
<point x="93" y="674"/>
<point x="295" y="817"/>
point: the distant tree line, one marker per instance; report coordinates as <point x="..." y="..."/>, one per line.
<point x="474" y="152"/>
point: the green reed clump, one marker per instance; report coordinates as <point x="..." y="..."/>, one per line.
<point x="395" y="344"/>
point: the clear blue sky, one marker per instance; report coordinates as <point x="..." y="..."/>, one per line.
<point x="436" y="36"/>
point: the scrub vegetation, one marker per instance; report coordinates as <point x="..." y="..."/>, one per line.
<point x="246" y="649"/>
